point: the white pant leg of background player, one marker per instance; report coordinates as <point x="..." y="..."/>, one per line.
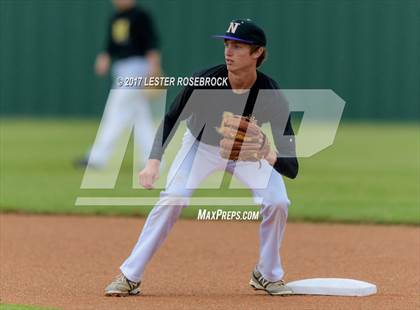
<point x="274" y="211"/>
<point x="117" y="117"/>
<point x="125" y="107"/>
<point x="182" y="179"/>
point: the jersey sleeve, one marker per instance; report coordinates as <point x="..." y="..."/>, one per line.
<point x="145" y="33"/>
<point x="283" y="134"/>
<point x="109" y="44"/>
<point x="177" y="112"/>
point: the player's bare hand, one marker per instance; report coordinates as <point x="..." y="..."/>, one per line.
<point x="271" y="157"/>
<point x="102" y="64"/>
<point x="149" y="174"/>
<point x="153" y="58"/>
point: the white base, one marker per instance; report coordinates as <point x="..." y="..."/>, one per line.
<point x="332" y="286"/>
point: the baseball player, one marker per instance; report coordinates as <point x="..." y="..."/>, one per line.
<point x="201" y="155"/>
<point x="132" y="45"/>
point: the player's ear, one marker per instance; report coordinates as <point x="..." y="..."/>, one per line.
<point x="257" y="52"/>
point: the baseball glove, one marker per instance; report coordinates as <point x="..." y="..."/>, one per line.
<point x="242" y="139"/>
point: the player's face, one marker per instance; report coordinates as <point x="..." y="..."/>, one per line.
<point x="238" y="56"/>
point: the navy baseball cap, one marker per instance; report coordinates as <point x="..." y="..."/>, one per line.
<point x="245" y="31"/>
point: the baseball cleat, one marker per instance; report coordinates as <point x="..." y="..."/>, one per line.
<point x="122" y="287"/>
<point x="273" y="288"/>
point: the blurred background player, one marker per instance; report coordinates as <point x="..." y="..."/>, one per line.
<point x="132" y="48"/>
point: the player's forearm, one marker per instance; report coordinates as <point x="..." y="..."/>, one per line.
<point x="153" y="58"/>
<point x="284" y="139"/>
<point x="104" y="54"/>
<point x="102" y="63"/>
<point x="285" y="162"/>
<point x="287" y="166"/>
<point x="154" y="163"/>
<point x="163" y="136"/>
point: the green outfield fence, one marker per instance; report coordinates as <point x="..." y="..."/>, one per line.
<point x="367" y="51"/>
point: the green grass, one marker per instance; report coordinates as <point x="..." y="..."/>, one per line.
<point x="21" y="307"/>
<point x="370" y="174"/>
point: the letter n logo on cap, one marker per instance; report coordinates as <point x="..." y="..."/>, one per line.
<point x="232" y="27"/>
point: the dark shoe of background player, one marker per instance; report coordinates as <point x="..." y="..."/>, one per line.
<point x="84" y="163"/>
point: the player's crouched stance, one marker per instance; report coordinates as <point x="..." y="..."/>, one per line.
<point x="244" y="51"/>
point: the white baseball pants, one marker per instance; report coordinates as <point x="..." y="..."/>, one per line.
<point x="193" y="163"/>
<point x="125" y="108"/>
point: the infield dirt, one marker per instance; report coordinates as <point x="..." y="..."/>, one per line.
<point x="66" y="261"/>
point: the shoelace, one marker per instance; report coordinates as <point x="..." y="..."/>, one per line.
<point x="280" y="282"/>
<point x="265" y="282"/>
<point x="122" y="278"/>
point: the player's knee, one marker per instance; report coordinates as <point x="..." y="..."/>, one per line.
<point x="176" y="190"/>
<point x="175" y="195"/>
<point x="170" y="206"/>
<point x="172" y="197"/>
<point x="279" y="204"/>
